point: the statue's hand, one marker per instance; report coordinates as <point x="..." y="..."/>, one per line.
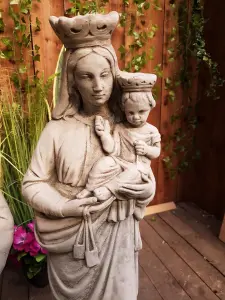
<point x="140" y="191"/>
<point x="74" y="208"/>
<point x="140" y="147"/>
<point x="102" y="126"/>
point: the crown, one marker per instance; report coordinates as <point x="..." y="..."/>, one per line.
<point x="136" y="82"/>
<point x="85" y="31"/>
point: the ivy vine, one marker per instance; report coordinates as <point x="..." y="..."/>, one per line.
<point x="185" y="40"/>
<point x="181" y="145"/>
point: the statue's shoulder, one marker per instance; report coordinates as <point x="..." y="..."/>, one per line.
<point x="56" y="128"/>
<point x="151" y="128"/>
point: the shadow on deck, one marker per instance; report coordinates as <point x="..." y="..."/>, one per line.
<point x="182" y="259"/>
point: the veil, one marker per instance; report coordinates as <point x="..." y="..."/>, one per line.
<point x="68" y="99"/>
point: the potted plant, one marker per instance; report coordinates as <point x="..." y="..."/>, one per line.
<point x="23" y="115"/>
<point x="31" y="255"/>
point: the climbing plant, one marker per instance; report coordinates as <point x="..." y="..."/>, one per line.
<point x="24" y="104"/>
<point x="185" y="41"/>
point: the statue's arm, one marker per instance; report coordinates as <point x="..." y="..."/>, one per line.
<point x="153" y="152"/>
<point x="108" y="143"/>
<point x="102" y="129"/>
<point x="36" y="187"/>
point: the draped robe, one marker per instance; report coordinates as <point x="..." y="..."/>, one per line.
<point x="65" y="154"/>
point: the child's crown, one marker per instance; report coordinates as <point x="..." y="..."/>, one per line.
<point x="85" y="31"/>
<point x="136" y="82"/>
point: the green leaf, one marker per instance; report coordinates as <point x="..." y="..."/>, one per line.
<point x="38" y="25"/>
<point x="30" y="275"/>
<point x="36" y="57"/>
<point x="22" y="69"/>
<point x="147" y="5"/>
<point x="24" y="11"/>
<point x="2" y="25"/>
<point x="36" y="47"/>
<point x="22" y="254"/>
<point x="7" y="42"/>
<point x="6" y="54"/>
<point x="40" y="257"/>
<point x="14" y="2"/>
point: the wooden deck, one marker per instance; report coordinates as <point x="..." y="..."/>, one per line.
<point x="182" y="259"/>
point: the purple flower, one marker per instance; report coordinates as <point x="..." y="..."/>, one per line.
<point x="31" y="226"/>
<point x="44" y="251"/>
<point x="34" y="248"/>
<point x="25" y="241"/>
<point x="22" y="239"/>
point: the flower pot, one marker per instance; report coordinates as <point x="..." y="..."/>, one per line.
<point x="40" y="280"/>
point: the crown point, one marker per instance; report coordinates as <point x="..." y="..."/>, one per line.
<point x="136" y="82"/>
<point x="85" y="31"/>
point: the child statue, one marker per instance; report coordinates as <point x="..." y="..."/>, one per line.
<point x="133" y="144"/>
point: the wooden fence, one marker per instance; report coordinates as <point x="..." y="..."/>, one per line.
<point x="167" y="189"/>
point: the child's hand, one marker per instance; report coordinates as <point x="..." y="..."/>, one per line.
<point x="140" y="147"/>
<point x="101" y="126"/>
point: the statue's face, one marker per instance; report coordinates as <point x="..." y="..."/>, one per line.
<point x="93" y="79"/>
<point x="136" y="112"/>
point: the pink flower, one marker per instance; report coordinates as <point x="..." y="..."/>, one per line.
<point x="31" y="226"/>
<point x="34" y="248"/>
<point x="22" y="239"/>
<point x="44" y="251"/>
<point x="25" y="241"/>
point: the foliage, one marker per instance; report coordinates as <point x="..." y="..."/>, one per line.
<point x="181" y="147"/>
<point x="24" y="105"/>
<point x="21" y="128"/>
<point x="185" y="39"/>
<point x="28" y="250"/>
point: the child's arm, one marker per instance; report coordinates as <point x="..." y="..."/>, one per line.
<point x="102" y="129"/>
<point x="150" y="152"/>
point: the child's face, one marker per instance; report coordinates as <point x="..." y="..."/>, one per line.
<point x="136" y="112"/>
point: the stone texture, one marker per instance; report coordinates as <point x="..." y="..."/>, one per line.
<point x="90" y="179"/>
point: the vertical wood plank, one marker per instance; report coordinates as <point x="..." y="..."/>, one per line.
<point x="167" y="188"/>
<point x="46" y="39"/>
<point x="156" y="17"/>
<point x="4" y="5"/>
<point x="118" y="37"/>
<point x="8" y="33"/>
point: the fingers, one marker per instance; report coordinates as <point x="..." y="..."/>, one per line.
<point x="99" y="123"/>
<point x="133" y="187"/>
<point x="107" y="126"/>
<point x="130" y="193"/>
<point x="99" y="127"/>
<point x="86" y="201"/>
<point x="139" y="143"/>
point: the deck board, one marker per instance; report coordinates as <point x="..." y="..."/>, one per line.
<point x="195" y="233"/>
<point x="184" y="275"/>
<point x="211" y="223"/>
<point x="182" y="259"/>
<point x="14" y="285"/>
<point x="165" y="283"/>
<point x="40" y="293"/>
<point x="216" y="281"/>
<point x="147" y="290"/>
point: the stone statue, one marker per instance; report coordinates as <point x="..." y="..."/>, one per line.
<point x="90" y="179"/>
<point x="6" y="231"/>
